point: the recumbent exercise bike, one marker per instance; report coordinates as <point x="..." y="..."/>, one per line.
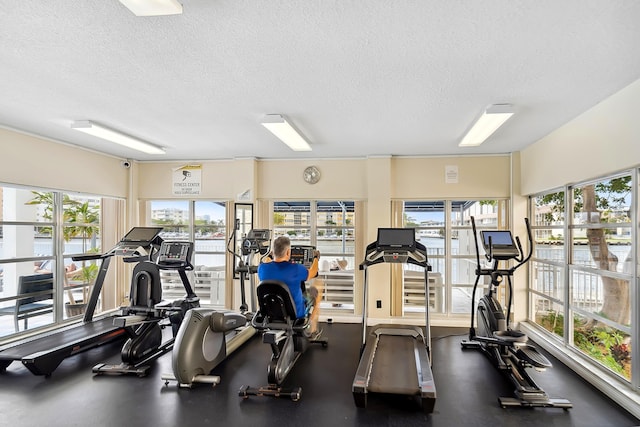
<point x="288" y="337"/>
<point x="507" y="348"/>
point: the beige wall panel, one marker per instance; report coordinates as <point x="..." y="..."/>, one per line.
<point x="424" y="178"/>
<point x="379" y="181"/>
<point x="32" y="161"/>
<point x="603" y="140"/>
<point x="220" y="179"/>
<point x="340" y="179"/>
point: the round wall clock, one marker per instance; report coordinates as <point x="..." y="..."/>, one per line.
<point x="311" y="175"/>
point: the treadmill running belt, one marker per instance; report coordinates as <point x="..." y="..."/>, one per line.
<point x="60" y="339"/>
<point x="394" y="366"/>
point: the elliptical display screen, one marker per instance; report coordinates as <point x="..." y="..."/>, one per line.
<point x="260" y="235"/>
<point x="499" y="238"/>
<point x="256" y="240"/>
<point x="396" y="239"/>
<point x="499" y="243"/>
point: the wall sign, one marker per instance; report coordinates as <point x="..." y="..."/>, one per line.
<point x="451" y="174"/>
<point x="187" y="180"/>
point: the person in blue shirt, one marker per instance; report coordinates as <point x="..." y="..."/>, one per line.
<point x="293" y="274"/>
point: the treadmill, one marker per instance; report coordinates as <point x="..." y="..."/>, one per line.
<point x="396" y="359"/>
<point x="43" y="354"/>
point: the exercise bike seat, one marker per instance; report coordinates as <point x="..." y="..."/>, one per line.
<point x="511" y="336"/>
<point x="276" y="307"/>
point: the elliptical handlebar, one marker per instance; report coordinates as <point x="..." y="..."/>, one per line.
<point x="530" y="238"/>
<point x="252" y="244"/>
<point x="475" y="239"/>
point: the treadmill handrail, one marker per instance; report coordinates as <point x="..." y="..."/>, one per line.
<point x="88" y="257"/>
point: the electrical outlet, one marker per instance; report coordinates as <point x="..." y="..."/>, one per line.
<point x="378" y="303"/>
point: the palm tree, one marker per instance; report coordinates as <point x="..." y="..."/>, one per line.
<point x="84" y="223"/>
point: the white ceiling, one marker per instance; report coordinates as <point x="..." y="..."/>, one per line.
<point x="358" y="77"/>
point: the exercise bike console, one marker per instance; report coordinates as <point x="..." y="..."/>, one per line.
<point x="302" y="255"/>
<point x="175" y="254"/>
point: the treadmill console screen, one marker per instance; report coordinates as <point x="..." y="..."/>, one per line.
<point x="396" y="239"/>
<point x="141" y="234"/>
<point x="302" y="255"/>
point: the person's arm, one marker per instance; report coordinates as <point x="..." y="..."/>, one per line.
<point x="313" y="270"/>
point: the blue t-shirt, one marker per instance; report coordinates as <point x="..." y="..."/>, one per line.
<point x="290" y="273"/>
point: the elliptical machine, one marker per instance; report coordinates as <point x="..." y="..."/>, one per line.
<point x="142" y="318"/>
<point x="507" y="348"/>
<point x="207" y="336"/>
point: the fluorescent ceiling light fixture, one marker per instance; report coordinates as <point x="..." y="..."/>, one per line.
<point x="492" y="118"/>
<point x="281" y="128"/>
<point x="91" y="128"/>
<point x="153" y="7"/>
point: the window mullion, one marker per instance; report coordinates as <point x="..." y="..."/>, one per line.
<point x="634" y="283"/>
<point x="58" y="253"/>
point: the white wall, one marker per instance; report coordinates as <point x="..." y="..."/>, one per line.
<point x="424" y="178"/>
<point x="33" y="161"/>
<point x="603" y="140"/>
<point x="353" y="179"/>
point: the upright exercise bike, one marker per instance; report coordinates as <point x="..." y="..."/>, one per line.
<point x="507" y="348"/>
<point x="143" y="318"/>
<point x="207" y="336"/>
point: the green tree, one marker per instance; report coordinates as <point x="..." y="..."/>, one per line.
<point x="598" y="202"/>
<point x="410" y="222"/>
<point x="80" y="220"/>
<point x="278" y="218"/>
<point x="84" y="223"/>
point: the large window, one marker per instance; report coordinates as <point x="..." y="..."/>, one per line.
<point x="330" y="227"/>
<point x="444" y="227"/>
<point x="581" y="284"/>
<point x="204" y="223"/>
<point x="40" y="230"/>
<point x="548" y="267"/>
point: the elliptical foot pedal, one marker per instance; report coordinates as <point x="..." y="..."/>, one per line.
<point x="511" y="336"/>
<point x="272" y="391"/>
<point x="533" y="356"/>
<point x="121" y="369"/>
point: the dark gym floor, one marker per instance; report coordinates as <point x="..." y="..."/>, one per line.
<point x="467" y="390"/>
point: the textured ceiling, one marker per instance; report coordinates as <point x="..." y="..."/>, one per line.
<point x="358" y="78"/>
